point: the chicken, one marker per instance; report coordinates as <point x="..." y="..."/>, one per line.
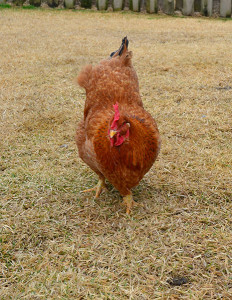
<point x="118" y="139"/>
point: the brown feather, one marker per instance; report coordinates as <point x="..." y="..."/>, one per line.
<point x="112" y="81"/>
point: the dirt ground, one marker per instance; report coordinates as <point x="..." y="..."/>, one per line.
<point x="58" y="243"/>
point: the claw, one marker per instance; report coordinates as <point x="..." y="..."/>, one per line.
<point x="98" y="188"/>
<point x="129" y="203"/>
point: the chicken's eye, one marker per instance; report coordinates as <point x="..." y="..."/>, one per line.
<point x="125" y="124"/>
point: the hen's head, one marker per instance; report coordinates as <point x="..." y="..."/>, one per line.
<point x="119" y="128"/>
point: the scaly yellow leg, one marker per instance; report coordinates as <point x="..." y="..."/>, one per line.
<point x="98" y="188"/>
<point x="129" y="202"/>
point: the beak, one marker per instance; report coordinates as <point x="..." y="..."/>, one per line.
<point x="112" y="133"/>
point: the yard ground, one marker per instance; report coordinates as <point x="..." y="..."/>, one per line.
<point x="57" y="243"/>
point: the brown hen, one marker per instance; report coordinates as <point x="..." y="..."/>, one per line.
<point x="117" y="138"/>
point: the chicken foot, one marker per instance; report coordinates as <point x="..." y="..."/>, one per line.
<point x="129" y="203"/>
<point x="98" y="188"/>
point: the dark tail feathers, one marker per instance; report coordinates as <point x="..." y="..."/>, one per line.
<point x="124" y="45"/>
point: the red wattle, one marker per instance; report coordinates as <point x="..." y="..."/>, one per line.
<point x="119" y="140"/>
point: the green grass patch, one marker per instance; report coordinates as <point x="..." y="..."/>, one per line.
<point x="5" y="6"/>
<point x="29" y="7"/>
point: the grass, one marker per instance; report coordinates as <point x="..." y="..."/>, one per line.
<point x="4" y="5"/>
<point x="57" y="243"/>
<point x="29" y="7"/>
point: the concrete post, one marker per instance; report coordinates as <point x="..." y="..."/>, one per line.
<point x="118" y="4"/>
<point x="188" y="7"/>
<point x="207" y="7"/>
<point x="102" y="4"/>
<point x="152" y="6"/>
<point x="135" y="5"/>
<point x="225" y="8"/>
<point x="169" y="7"/>
<point x="69" y="4"/>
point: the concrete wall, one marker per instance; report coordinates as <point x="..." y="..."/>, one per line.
<point x="208" y="8"/>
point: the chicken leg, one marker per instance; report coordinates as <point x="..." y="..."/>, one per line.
<point x="98" y="188"/>
<point x="129" y="203"/>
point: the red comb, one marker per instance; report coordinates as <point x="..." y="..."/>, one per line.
<point x="116" y="116"/>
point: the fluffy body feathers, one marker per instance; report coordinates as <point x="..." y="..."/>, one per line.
<point x="115" y="81"/>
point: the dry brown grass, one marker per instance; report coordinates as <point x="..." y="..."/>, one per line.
<point x="57" y="243"/>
